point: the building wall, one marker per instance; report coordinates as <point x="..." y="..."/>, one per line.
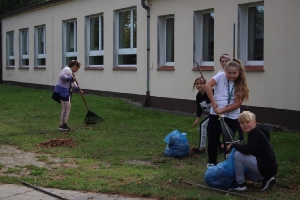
<point x="276" y="87"/>
<point x="106" y="80"/>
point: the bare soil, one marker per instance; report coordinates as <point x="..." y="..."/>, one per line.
<point x="15" y="162"/>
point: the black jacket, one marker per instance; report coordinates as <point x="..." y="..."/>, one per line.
<point x="200" y="98"/>
<point x="259" y="146"/>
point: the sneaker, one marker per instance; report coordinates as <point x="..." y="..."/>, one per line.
<point x="199" y="151"/>
<point x="267" y="184"/>
<point x="238" y="187"/>
<point x="209" y="165"/>
<point x="64" y="127"/>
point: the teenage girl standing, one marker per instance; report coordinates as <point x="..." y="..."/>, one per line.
<point x="225" y="58"/>
<point x="230" y="91"/>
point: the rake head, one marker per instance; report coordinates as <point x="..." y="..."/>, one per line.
<point x="92" y="118"/>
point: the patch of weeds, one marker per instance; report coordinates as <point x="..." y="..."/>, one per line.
<point x="43" y="158"/>
<point x="16" y="170"/>
<point x="36" y="171"/>
<point x="2" y="166"/>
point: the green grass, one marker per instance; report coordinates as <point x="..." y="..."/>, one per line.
<point x="124" y="154"/>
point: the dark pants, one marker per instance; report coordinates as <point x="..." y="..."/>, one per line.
<point x="214" y="132"/>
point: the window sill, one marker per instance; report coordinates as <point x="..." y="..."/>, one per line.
<point x="254" y="68"/>
<point x="204" y="68"/>
<point x="125" y="68"/>
<point x="93" y="68"/>
<point x="39" y="68"/>
<point x="166" y="68"/>
<point x="24" y="67"/>
<point x="10" y="67"/>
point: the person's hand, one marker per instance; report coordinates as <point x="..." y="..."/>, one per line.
<point x="214" y="105"/>
<point x="196" y="122"/>
<point x="74" y="78"/>
<point x="80" y="92"/>
<point x="228" y="147"/>
<point x="218" y="111"/>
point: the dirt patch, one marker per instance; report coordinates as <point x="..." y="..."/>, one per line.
<point x="15" y="162"/>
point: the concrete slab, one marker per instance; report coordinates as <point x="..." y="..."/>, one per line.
<point x="17" y="192"/>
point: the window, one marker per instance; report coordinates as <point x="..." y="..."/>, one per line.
<point x="166" y="40"/>
<point x="69" y="41"/>
<point x="24" y="47"/>
<point x="251" y="34"/>
<point x="204" y="37"/>
<point x="126" y="38"/>
<point x="94" y="41"/>
<point x="10" y="57"/>
<point x="40" y="46"/>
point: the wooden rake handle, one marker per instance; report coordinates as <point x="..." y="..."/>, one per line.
<point x="81" y="94"/>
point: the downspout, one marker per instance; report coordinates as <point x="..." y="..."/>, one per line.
<point x="1" y="72"/>
<point x="146" y="101"/>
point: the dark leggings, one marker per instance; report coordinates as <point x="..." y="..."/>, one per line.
<point x="214" y="132"/>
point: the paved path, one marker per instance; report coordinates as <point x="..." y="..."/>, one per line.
<point x="19" y="192"/>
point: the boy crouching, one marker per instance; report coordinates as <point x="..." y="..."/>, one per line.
<point x="257" y="155"/>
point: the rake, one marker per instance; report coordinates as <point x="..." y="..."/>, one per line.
<point x="90" y="118"/>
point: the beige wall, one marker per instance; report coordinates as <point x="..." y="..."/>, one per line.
<point x="276" y="87"/>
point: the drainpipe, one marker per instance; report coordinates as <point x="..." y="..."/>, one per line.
<point x="146" y="101"/>
<point x="1" y="72"/>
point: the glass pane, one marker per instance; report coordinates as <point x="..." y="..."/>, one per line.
<point x="208" y="37"/>
<point x="70" y="37"/>
<point x="124" y="29"/>
<point x="68" y="59"/>
<point x="25" y="62"/>
<point x="41" y="62"/>
<point x="127" y="59"/>
<point x="24" y="37"/>
<point x="11" y="62"/>
<point x="41" y="40"/>
<point x="10" y="44"/>
<point x="96" y="60"/>
<point x="170" y="40"/>
<point x="134" y="28"/>
<point x="94" y="33"/>
<point x="256" y="33"/>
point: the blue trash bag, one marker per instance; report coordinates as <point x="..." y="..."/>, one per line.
<point x="177" y="144"/>
<point x="222" y="175"/>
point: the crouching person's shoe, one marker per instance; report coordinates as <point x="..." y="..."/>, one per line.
<point x="267" y="183"/>
<point x="238" y="187"/>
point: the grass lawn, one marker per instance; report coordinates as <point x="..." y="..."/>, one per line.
<point x="125" y="153"/>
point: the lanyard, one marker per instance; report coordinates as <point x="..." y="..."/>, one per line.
<point x="229" y="92"/>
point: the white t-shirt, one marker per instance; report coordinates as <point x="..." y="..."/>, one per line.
<point x="221" y="95"/>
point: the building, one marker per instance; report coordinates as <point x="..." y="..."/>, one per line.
<point x="147" y="50"/>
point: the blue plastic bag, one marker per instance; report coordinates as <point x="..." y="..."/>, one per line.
<point x="177" y="144"/>
<point x="222" y="175"/>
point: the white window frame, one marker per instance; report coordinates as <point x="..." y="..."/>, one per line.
<point x="9" y="37"/>
<point x="65" y="35"/>
<point x="24" y="55"/>
<point x="162" y="41"/>
<point x="243" y="35"/>
<point x="90" y="52"/>
<point x="198" y="37"/>
<point x="36" y="43"/>
<point x="125" y="51"/>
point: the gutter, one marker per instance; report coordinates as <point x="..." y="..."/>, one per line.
<point x="1" y="68"/>
<point x="146" y="101"/>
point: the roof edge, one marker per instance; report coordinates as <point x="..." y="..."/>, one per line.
<point x="33" y="7"/>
